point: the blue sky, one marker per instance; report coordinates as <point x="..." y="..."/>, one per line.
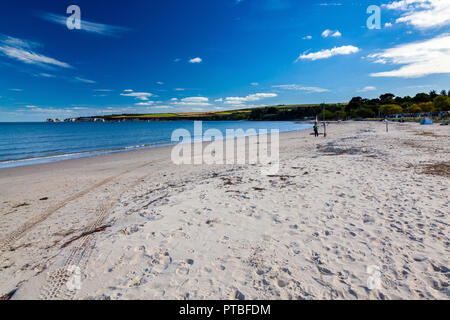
<point x="176" y="56"/>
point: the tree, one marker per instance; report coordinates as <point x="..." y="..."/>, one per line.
<point x="414" y="109"/>
<point x="365" y="113"/>
<point x="355" y="103"/>
<point x="328" y="115"/>
<point x="443" y="93"/>
<point x="256" y="114"/>
<point x="421" y="97"/>
<point x="272" y="110"/>
<point x="341" y="114"/>
<point x="442" y="103"/>
<point x="433" y="94"/>
<point x="389" y="109"/>
<point x="387" y="97"/>
<point x="426" y="106"/>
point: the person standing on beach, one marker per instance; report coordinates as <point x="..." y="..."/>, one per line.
<point x="316" y="130"/>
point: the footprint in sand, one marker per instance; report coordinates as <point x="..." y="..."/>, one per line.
<point x="184" y="267"/>
<point x="282" y="283"/>
<point x="160" y="261"/>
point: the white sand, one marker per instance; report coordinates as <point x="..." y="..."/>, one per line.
<point x="339" y="205"/>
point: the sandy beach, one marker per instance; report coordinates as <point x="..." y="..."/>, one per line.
<point x="361" y="214"/>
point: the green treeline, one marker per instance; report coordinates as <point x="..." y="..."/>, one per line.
<point x="386" y="106"/>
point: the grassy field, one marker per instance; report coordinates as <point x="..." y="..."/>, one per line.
<point x="240" y="114"/>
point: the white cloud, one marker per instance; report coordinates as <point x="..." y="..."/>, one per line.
<point x="418" y="59"/>
<point x="337" y="34"/>
<point x="219" y="100"/>
<point x="147" y="103"/>
<point x="21" y="50"/>
<point x="137" y="95"/>
<point x="46" y="75"/>
<point x="301" y="88"/>
<point x="160" y="83"/>
<point x="31" y="107"/>
<point x="326" y="33"/>
<point x="92" y="27"/>
<point x="255" y="84"/>
<point x="328" y="53"/>
<point x="330" y="33"/>
<point x="179" y="89"/>
<point x="193" y="101"/>
<point x="84" y="80"/>
<point x="196" y="60"/>
<point x="307" y="37"/>
<point x="367" y="89"/>
<point x="422" y="14"/>
<point x="249" y="98"/>
<point x="388" y="25"/>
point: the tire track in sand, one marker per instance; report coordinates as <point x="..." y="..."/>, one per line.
<point x="55" y="288"/>
<point x="17" y="234"/>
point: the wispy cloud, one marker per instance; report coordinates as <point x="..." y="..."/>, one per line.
<point x="22" y="50"/>
<point x="334" y="4"/>
<point x="331" y="33"/>
<point x="418" y="59"/>
<point x="46" y="75"/>
<point x="84" y="80"/>
<point x="103" y="90"/>
<point x="367" y="89"/>
<point x="137" y="95"/>
<point x="301" y="88"/>
<point x="147" y="103"/>
<point x="422" y="14"/>
<point x="328" y="53"/>
<point x="192" y="101"/>
<point x="249" y="98"/>
<point x="88" y="26"/>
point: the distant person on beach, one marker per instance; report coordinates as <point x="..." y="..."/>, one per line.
<point x="316" y="130"/>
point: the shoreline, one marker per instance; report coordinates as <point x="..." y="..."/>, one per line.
<point x="357" y="199"/>
<point x="100" y="152"/>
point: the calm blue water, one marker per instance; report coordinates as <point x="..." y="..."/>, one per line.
<point x="33" y="143"/>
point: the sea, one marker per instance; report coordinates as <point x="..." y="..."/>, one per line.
<point x="28" y="143"/>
